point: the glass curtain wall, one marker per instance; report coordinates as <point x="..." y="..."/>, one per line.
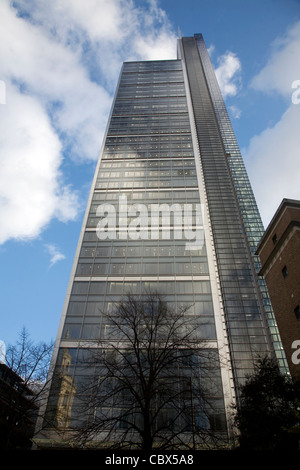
<point x="235" y="221"/>
<point x="147" y="159"/>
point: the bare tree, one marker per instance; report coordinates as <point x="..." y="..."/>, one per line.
<point x="155" y="384"/>
<point x="23" y="382"/>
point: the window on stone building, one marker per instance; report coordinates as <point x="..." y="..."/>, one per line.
<point x="284" y="271"/>
<point x="297" y="312"/>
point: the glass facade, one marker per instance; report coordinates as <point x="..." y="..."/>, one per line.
<point x="251" y="219"/>
<point x="170" y="210"/>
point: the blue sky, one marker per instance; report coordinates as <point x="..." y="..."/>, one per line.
<point x="60" y="62"/>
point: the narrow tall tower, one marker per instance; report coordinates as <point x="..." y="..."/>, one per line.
<point x="169" y="141"/>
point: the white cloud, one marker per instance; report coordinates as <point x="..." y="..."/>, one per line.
<point x="106" y="32"/>
<point x="272" y="157"/>
<point x="274" y="164"/>
<point x="235" y="111"/>
<point x="228" y="74"/>
<point x="283" y="66"/>
<point x="2" y="92"/>
<point x="2" y="351"/>
<point x="30" y="189"/>
<point x="211" y="50"/>
<point x="53" y="74"/>
<point x="150" y="47"/>
<point x="60" y="62"/>
<point x="54" y="253"/>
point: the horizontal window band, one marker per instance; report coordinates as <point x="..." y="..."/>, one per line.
<point x="138" y="278"/>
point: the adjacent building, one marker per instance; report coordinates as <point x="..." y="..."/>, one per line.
<point x="171" y="209"/>
<point x="279" y="251"/>
<point x="18" y="411"/>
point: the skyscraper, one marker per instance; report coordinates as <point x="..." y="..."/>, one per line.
<point x="171" y="208"/>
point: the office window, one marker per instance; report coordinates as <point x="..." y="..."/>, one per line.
<point x="297" y="312"/>
<point x="284" y="271"/>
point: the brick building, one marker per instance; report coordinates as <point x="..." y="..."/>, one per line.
<point x="279" y="251"/>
